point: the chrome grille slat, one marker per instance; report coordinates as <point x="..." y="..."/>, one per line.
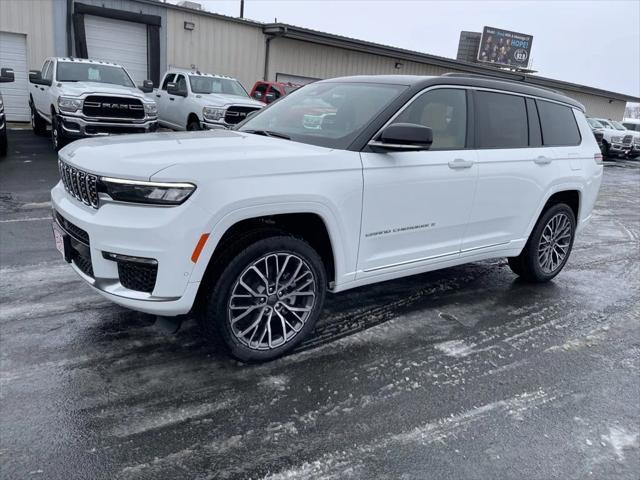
<point x="79" y="184"/>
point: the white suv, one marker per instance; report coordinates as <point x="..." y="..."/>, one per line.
<point x="87" y="98"/>
<point x="403" y="174"/>
<point x="192" y="100"/>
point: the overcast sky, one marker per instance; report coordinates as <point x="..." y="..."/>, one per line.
<point x="595" y="43"/>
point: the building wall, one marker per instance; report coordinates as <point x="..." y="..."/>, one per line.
<point x="35" y="19"/>
<point x="216" y="46"/>
<point x="596" y="106"/>
<point x="306" y="59"/>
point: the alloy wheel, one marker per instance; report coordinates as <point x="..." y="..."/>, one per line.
<point x="554" y="243"/>
<point x="271" y="301"/>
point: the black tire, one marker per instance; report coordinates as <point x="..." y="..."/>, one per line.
<point x="605" y="149"/>
<point x="528" y="265"/>
<point x="58" y="140"/>
<point x="215" y="317"/>
<point x="38" y="124"/>
<point x="3" y="143"/>
<point x="194" y="125"/>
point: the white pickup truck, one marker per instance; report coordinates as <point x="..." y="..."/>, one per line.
<point x="191" y="100"/>
<point x="86" y="98"/>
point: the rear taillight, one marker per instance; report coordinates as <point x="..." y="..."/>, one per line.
<point x="598" y="158"/>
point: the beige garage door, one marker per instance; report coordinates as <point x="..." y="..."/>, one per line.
<point x="13" y="54"/>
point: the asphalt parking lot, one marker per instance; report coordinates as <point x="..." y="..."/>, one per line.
<point x="462" y="373"/>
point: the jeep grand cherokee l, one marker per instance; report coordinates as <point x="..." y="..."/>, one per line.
<point x="249" y="228"/>
<point x="86" y="98"/>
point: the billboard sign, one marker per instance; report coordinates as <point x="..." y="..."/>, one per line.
<point x="502" y="47"/>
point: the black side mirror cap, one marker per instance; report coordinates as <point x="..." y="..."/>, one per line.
<point x="6" y="75"/>
<point x="172" y="88"/>
<point x="404" y="136"/>
<point x="147" y="86"/>
<point x="35" y="76"/>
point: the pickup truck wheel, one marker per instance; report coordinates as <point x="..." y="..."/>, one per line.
<point x="548" y="247"/>
<point x="193" y="125"/>
<point x="38" y="124"/>
<point x="267" y="299"/>
<point x="605" y="149"/>
<point x="58" y="140"/>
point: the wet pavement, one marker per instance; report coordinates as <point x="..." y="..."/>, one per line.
<point x="462" y="373"/>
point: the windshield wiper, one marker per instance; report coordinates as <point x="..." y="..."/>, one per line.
<point x="268" y="133"/>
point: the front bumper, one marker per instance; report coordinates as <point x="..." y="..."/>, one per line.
<point x="166" y="234"/>
<point x="206" y="125"/>
<point x="80" y="127"/>
<point x="619" y="149"/>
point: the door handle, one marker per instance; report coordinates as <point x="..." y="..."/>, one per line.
<point x="171" y="98"/>
<point x="460" y="163"/>
<point x="542" y="160"/>
<point x="158" y="95"/>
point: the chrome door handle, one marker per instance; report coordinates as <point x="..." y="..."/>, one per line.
<point x="460" y="163"/>
<point x="542" y="160"/>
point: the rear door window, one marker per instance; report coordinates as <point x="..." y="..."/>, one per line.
<point x="559" y="127"/>
<point x="501" y="121"/>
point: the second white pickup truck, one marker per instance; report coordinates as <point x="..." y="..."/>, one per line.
<point x="191" y="100"/>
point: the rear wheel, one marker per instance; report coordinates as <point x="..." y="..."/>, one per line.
<point x="38" y="124"/>
<point x="267" y="299"/>
<point x="548" y="247"/>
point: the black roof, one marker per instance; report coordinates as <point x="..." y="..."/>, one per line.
<point x="419" y="82"/>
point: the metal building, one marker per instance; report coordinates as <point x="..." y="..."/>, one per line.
<point x="147" y="36"/>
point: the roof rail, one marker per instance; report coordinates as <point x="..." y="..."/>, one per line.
<point x="500" y="79"/>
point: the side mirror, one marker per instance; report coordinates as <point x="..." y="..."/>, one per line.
<point x="172" y="88"/>
<point x="147" y="86"/>
<point x="35" y="76"/>
<point x="404" y="136"/>
<point x="6" y="75"/>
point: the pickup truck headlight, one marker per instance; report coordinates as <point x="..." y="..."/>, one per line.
<point x="151" y="109"/>
<point x="213" y="114"/>
<point x="153" y="193"/>
<point x="616" y="139"/>
<point x="69" y="104"/>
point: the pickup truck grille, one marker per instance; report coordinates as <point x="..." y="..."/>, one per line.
<point x="81" y="185"/>
<point x="627" y="139"/>
<point x="113" y="107"/>
<point x="236" y="114"/>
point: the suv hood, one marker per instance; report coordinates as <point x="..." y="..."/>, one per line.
<point x="141" y="156"/>
<point x="79" y="88"/>
<point x="221" y="100"/>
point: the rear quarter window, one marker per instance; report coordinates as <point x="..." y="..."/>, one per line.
<point x="558" y="123"/>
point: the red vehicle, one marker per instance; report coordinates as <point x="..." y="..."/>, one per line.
<point x="268" y="92"/>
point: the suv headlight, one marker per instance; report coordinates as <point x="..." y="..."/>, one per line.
<point x="151" y="109"/>
<point x="213" y="114"/>
<point x="154" y="193"/>
<point x="69" y="104"/>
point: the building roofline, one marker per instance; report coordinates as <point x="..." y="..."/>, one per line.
<point x="299" y="33"/>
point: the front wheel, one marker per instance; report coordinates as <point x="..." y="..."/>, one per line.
<point x="58" y="140"/>
<point x="267" y="299"/>
<point x="548" y="247"/>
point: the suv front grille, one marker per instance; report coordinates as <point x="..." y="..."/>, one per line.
<point x="81" y="185"/>
<point x="236" y="114"/>
<point x="113" y="107"/>
<point x="626" y="140"/>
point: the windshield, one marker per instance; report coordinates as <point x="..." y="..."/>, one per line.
<point x="605" y="123"/>
<point x="93" y="72"/>
<point x="618" y="125"/>
<point x="594" y="123"/>
<point x="330" y="114"/>
<point x="228" y="86"/>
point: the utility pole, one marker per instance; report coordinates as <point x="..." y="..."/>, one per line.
<point x="241" y="8"/>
